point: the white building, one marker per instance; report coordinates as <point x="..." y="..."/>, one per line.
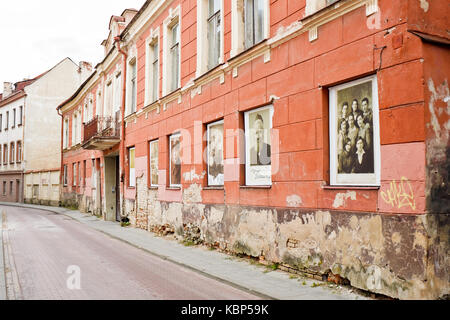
<point x="30" y="136"/>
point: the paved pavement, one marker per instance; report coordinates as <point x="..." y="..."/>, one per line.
<point x="251" y="281"/>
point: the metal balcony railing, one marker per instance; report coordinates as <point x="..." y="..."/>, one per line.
<point x="102" y="127"/>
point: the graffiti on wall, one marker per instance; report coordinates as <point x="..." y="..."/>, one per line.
<point x="400" y="194"/>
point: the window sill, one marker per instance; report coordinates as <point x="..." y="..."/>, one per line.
<point x="173" y="188"/>
<point x="214" y="188"/>
<point x="153" y="188"/>
<point x="328" y="187"/>
<point x="256" y="187"/>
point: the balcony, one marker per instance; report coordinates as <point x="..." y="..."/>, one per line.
<point x="101" y="133"/>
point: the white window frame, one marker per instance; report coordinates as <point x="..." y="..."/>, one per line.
<point x="131" y="93"/>
<point x="66" y="133"/>
<point x="238" y="25"/>
<point x="108" y="103"/>
<point x="221" y="122"/>
<point x="355" y="179"/>
<point x="131" y="171"/>
<point x="74" y="128"/>
<point x="152" y="88"/>
<point x="203" y="63"/>
<point x="173" y="137"/>
<point x="173" y="19"/>
<point x="151" y="146"/>
<point x="249" y="181"/>
<point x="98" y="103"/>
<point x="117" y="92"/>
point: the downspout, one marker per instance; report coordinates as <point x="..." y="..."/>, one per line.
<point x="122" y="111"/>
<point x="61" y="174"/>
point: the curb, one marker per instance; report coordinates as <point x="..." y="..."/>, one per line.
<point x="64" y="213"/>
<point x="2" y="263"/>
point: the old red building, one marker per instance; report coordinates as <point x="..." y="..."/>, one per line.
<point x="309" y="133"/>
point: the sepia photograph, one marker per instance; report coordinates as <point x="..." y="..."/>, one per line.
<point x="175" y="160"/>
<point x="215" y="154"/>
<point x="154" y="149"/>
<point x="353" y="132"/>
<point x="258" y="125"/>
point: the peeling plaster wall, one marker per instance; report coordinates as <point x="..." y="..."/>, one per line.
<point x="386" y="254"/>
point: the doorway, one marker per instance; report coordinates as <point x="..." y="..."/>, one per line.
<point x="112" y="191"/>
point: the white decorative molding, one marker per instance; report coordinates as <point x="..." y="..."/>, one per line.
<point x="222" y="78"/>
<point x="267" y="55"/>
<point x="371" y="7"/>
<point x="313" y="34"/>
<point x="235" y="72"/>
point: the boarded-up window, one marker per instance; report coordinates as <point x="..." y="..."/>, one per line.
<point x="131" y="167"/>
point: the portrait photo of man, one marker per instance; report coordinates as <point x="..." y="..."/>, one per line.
<point x="258" y="126"/>
<point x="215" y="154"/>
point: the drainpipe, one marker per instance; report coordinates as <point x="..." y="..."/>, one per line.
<point x="61" y="174"/>
<point x="122" y="107"/>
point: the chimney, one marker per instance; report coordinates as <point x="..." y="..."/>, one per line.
<point x="8" y="88"/>
<point x="85" y="66"/>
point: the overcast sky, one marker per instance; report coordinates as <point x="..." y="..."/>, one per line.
<point x="37" y="34"/>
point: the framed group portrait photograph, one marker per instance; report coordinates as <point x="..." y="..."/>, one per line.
<point x="175" y="160"/>
<point x="215" y="154"/>
<point x="355" y="133"/>
<point x="258" y="149"/>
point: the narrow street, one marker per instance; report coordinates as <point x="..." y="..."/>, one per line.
<point x="44" y="253"/>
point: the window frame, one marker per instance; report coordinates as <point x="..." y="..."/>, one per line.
<point x="65" y="174"/>
<point x="19" y="154"/>
<point x="12" y="151"/>
<point x="74" y="174"/>
<point x="150" y="149"/>
<point x="355" y="180"/>
<point x="130" y="184"/>
<point x="153" y="51"/>
<point x="173" y="137"/>
<point x="173" y="19"/>
<point x="208" y="132"/>
<point x="248" y="180"/>
<point x="5" y="154"/>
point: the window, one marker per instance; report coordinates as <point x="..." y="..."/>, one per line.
<point x="74" y="129"/>
<point x="214" y="33"/>
<point x="13" y="153"/>
<point x="98" y="103"/>
<point x="175" y="160"/>
<point x="90" y="109"/>
<point x="19" y="152"/>
<point x="20" y="115"/>
<point x="355" y="134"/>
<point x="133" y="86"/>
<point x="85" y="113"/>
<point x="153" y="163"/>
<point x="11" y="184"/>
<point x="108" y="100"/>
<point x="84" y="173"/>
<point x="152" y="90"/>
<point x="175" y="56"/>
<point x="4" y="188"/>
<point x="250" y="24"/>
<point x="117" y="92"/>
<point x="258" y="164"/>
<point x="131" y="167"/>
<point x="254" y="22"/>
<point x="1" y="122"/>
<point x="215" y="154"/>
<point x="5" y="154"/>
<point x="74" y="174"/>
<point x="66" y="133"/>
<point x="7" y="120"/>
<point x="65" y="175"/>
<point x="14" y="118"/>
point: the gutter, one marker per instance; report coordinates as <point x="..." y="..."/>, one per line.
<point x="61" y="173"/>
<point x="122" y="107"/>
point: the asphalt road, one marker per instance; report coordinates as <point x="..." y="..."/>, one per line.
<point x="52" y="257"/>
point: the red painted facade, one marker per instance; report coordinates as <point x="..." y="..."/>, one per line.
<point x="296" y="79"/>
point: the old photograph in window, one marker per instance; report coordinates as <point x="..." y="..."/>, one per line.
<point x="215" y="154"/>
<point x="154" y="149"/>
<point x="175" y="160"/>
<point x="354" y="133"/>
<point x="258" y="125"/>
